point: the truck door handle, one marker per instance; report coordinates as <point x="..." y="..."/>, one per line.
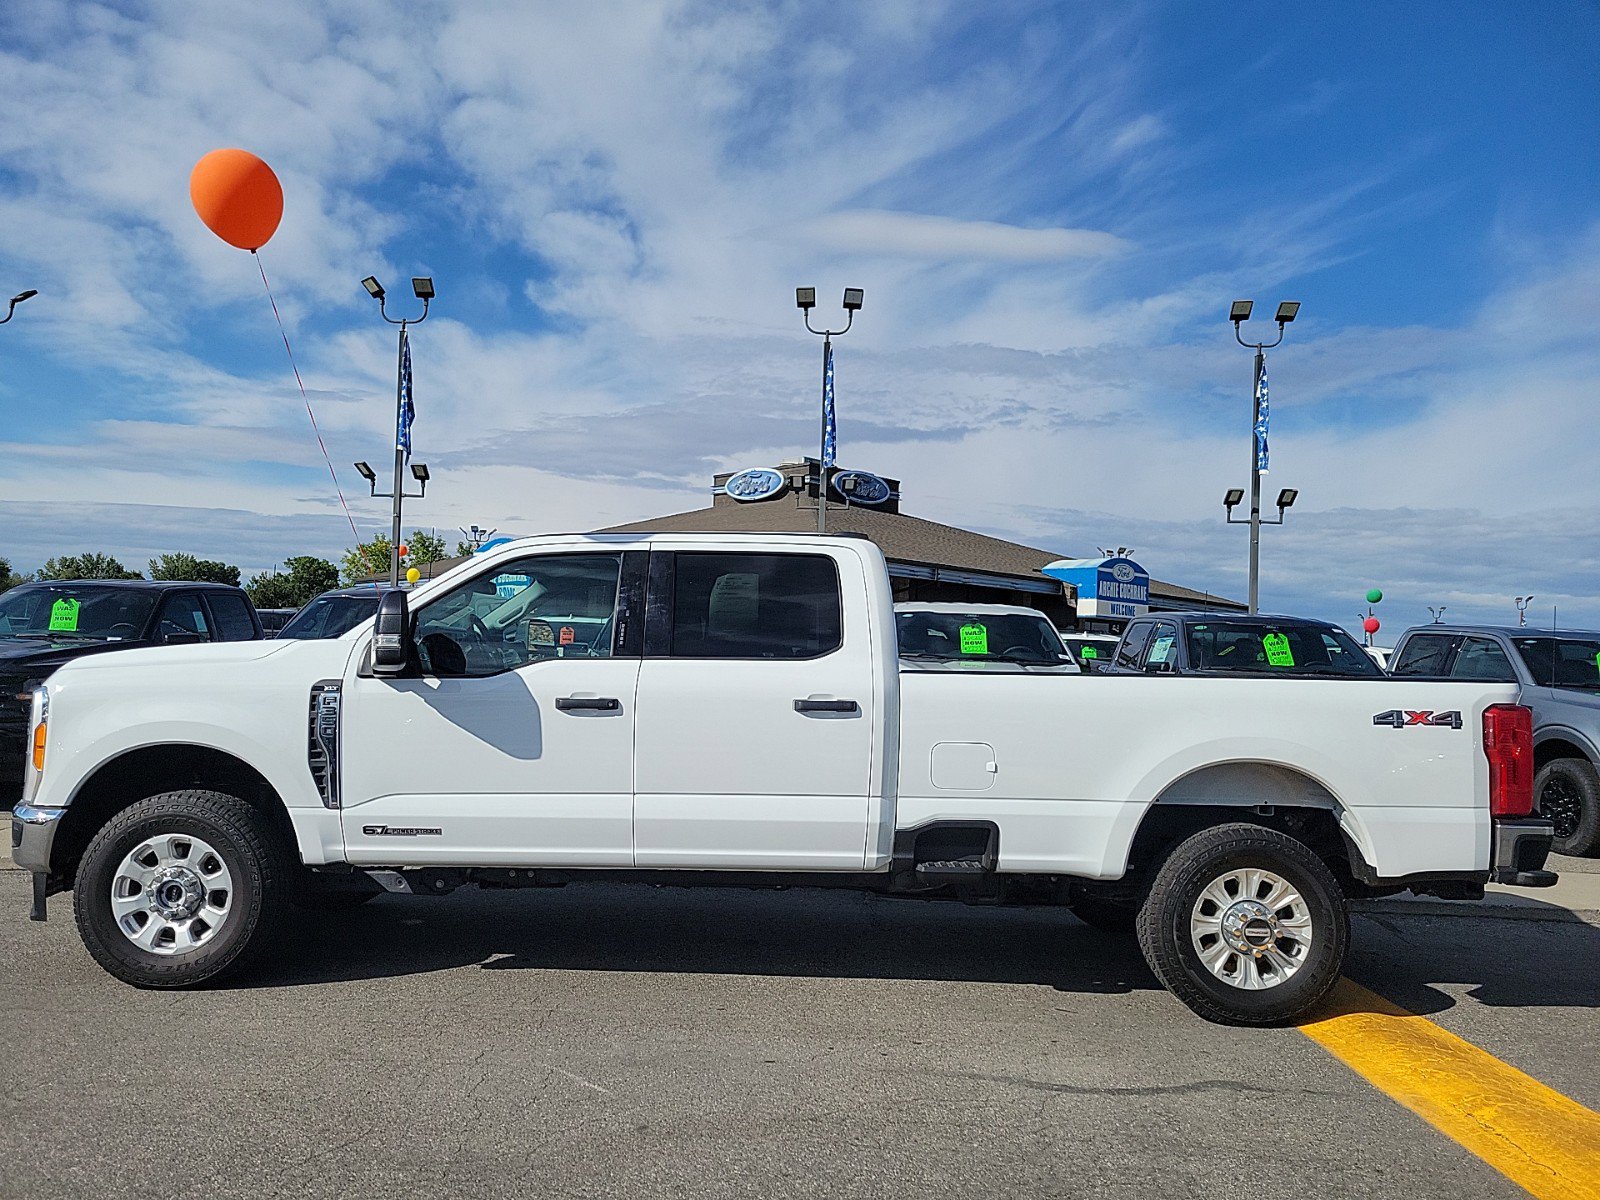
<point x="844" y="706"/>
<point x="597" y="703"/>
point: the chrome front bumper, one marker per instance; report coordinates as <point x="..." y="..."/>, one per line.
<point x="33" y="834"/>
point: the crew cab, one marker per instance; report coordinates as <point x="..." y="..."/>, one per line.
<point x="1207" y="643"/>
<point x="1558" y="674"/>
<point x="705" y="709"/>
<point x="43" y="625"/>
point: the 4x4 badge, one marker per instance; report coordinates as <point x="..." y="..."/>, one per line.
<point x="1401" y="718"/>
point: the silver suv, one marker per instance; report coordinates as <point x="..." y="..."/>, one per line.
<point x="1559" y="671"/>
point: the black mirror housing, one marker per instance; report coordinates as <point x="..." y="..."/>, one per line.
<point x="391" y="640"/>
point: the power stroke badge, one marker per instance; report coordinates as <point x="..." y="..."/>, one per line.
<point x="401" y="831"/>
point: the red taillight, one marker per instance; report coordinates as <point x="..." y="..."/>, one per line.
<point x="1508" y="743"/>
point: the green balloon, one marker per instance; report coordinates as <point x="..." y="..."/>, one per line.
<point x="1374" y="595"/>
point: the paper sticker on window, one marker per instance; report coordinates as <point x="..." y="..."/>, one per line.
<point x="568" y="634"/>
<point x="1091" y="652"/>
<point x="975" y="639"/>
<point x="64" y="616"/>
<point x="1277" y="647"/>
<point x="1161" y="650"/>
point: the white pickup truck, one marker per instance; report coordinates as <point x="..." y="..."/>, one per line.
<point x="730" y="709"/>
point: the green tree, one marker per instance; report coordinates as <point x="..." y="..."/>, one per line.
<point x="305" y="579"/>
<point x="424" y="548"/>
<point x="189" y="569"/>
<point x="8" y="579"/>
<point x="370" y="559"/>
<point x="464" y="549"/>
<point x="87" y="565"/>
<point x="366" y="560"/>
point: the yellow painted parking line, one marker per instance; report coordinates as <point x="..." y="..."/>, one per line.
<point x="1532" y="1134"/>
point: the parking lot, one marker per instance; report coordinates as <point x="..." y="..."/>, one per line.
<point x="604" y="1041"/>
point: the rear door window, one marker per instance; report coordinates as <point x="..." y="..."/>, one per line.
<point x="1425" y="654"/>
<point x="1131" y="648"/>
<point x="1482" y="659"/>
<point x="784" y="606"/>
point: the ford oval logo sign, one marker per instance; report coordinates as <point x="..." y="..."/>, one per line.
<point x="861" y="487"/>
<point x="757" y="483"/>
<point x="1123" y="572"/>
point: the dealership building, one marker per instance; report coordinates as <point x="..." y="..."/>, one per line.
<point x="929" y="560"/>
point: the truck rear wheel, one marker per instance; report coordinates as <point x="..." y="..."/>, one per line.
<point x="1245" y="925"/>
<point x="180" y="888"/>
<point x="1567" y="791"/>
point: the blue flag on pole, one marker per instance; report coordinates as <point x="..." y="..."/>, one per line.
<point x="408" y="411"/>
<point x="1262" y="413"/>
<point x="830" y="429"/>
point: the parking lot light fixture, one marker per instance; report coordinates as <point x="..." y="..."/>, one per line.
<point x="1239" y="313"/>
<point x="16" y="300"/>
<point x="422" y="285"/>
<point x="806" y="299"/>
<point x="419" y="472"/>
<point x="1232" y="498"/>
<point x="366" y="472"/>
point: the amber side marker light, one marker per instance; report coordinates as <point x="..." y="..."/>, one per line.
<point x="38" y="746"/>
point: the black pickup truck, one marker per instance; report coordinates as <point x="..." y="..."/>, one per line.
<point x="43" y="625"/>
<point x="1212" y="643"/>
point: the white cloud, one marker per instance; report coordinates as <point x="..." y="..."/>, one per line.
<point x="943" y="239"/>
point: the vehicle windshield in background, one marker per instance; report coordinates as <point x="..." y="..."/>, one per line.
<point x="330" y="616"/>
<point x="76" y="610"/>
<point x="1562" y="662"/>
<point x="1277" y="650"/>
<point x="993" y="637"/>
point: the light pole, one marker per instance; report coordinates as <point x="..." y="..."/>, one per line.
<point x="1239" y="312"/>
<point x="422" y="287"/>
<point x="11" y="308"/>
<point x="1522" y="603"/>
<point x="805" y="299"/>
<point x="1437" y="613"/>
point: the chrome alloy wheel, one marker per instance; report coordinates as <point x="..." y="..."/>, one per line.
<point x="171" y="894"/>
<point x="1251" y="928"/>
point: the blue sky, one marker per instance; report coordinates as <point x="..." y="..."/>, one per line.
<point x="1049" y="206"/>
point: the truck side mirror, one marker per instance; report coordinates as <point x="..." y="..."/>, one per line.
<point x="391" y="635"/>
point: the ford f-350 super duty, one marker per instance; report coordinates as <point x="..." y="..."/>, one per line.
<point x="731" y="709"/>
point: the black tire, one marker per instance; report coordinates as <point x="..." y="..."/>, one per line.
<point x="1169" y="947"/>
<point x="1567" y="790"/>
<point x="258" y="867"/>
<point x="1117" y="917"/>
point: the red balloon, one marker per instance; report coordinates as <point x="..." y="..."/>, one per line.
<point x="404" y="550"/>
<point x="1372" y="624"/>
<point x="238" y="197"/>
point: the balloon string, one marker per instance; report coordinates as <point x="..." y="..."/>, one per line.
<point x="314" y="429"/>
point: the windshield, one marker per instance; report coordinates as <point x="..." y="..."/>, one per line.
<point x="68" y="611"/>
<point x="1562" y="662"/>
<point x="1277" y="649"/>
<point x="979" y="637"/>
<point x="330" y="616"/>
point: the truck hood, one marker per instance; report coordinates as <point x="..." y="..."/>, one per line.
<point x="34" y="654"/>
<point x="199" y="657"/>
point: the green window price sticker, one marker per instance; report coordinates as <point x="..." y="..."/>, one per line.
<point x="1091" y="652"/>
<point x="1277" y="648"/>
<point x="975" y="639"/>
<point x="64" y="616"/>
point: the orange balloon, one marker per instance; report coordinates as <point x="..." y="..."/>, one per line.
<point x="238" y="197"/>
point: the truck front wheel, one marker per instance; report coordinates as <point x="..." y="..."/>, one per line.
<point x="179" y="888"/>
<point x="1245" y="925"/>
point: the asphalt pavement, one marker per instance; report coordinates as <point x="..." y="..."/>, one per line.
<point x="601" y="1040"/>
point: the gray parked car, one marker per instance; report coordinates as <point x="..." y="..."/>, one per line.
<point x="1559" y="671"/>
